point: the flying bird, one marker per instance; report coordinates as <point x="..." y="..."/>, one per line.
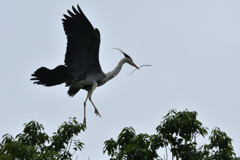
<point x="82" y="69"/>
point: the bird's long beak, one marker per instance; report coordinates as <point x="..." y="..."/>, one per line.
<point x="135" y="66"/>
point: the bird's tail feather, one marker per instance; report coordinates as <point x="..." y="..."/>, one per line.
<point x="48" y="77"/>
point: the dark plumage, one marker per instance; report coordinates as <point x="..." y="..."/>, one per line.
<point x="48" y="77"/>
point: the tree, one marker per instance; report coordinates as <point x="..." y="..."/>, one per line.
<point x="178" y="131"/>
<point x="131" y="146"/>
<point x="220" y="146"/>
<point x="33" y="143"/>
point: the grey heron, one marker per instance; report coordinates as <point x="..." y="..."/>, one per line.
<point x="82" y="69"/>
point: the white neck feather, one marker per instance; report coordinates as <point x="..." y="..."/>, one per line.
<point x="113" y="73"/>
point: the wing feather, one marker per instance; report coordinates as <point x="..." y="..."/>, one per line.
<point x="83" y="41"/>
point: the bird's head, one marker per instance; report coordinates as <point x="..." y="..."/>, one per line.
<point x="128" y="59"/>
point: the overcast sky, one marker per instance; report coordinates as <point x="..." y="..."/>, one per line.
<point x="193" y="47"/>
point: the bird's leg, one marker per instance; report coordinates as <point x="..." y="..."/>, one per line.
<point x="84" y="104"/>
<point x="94" y="86"/>
<point x="96" y="111"/>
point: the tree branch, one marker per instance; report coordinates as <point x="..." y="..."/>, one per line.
<point x="138" y="67"/>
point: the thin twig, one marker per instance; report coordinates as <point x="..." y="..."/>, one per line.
<point x="72" y="139"/>
<point x="138" y="67"/>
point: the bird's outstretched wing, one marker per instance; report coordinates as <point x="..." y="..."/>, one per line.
<point x="82" y="55"/>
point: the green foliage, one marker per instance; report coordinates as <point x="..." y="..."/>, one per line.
<point x="178" y="132"/>
<point x="131" y="146"/>
<point x="220" y="146"/>
<point x="33" y="143"/>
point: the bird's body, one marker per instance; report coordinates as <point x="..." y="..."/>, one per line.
<point x="82" y="69"/>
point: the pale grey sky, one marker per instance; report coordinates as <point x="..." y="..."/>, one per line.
<point x="193" y="47"/>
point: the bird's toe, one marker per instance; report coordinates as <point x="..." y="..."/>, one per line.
<point x="97" y="113"/>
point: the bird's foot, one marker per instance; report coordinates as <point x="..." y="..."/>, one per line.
<point x="97" y="113"/>
<point x="84" y="122"/>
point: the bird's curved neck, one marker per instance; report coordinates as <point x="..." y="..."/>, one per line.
<point x="113" y="73"/>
